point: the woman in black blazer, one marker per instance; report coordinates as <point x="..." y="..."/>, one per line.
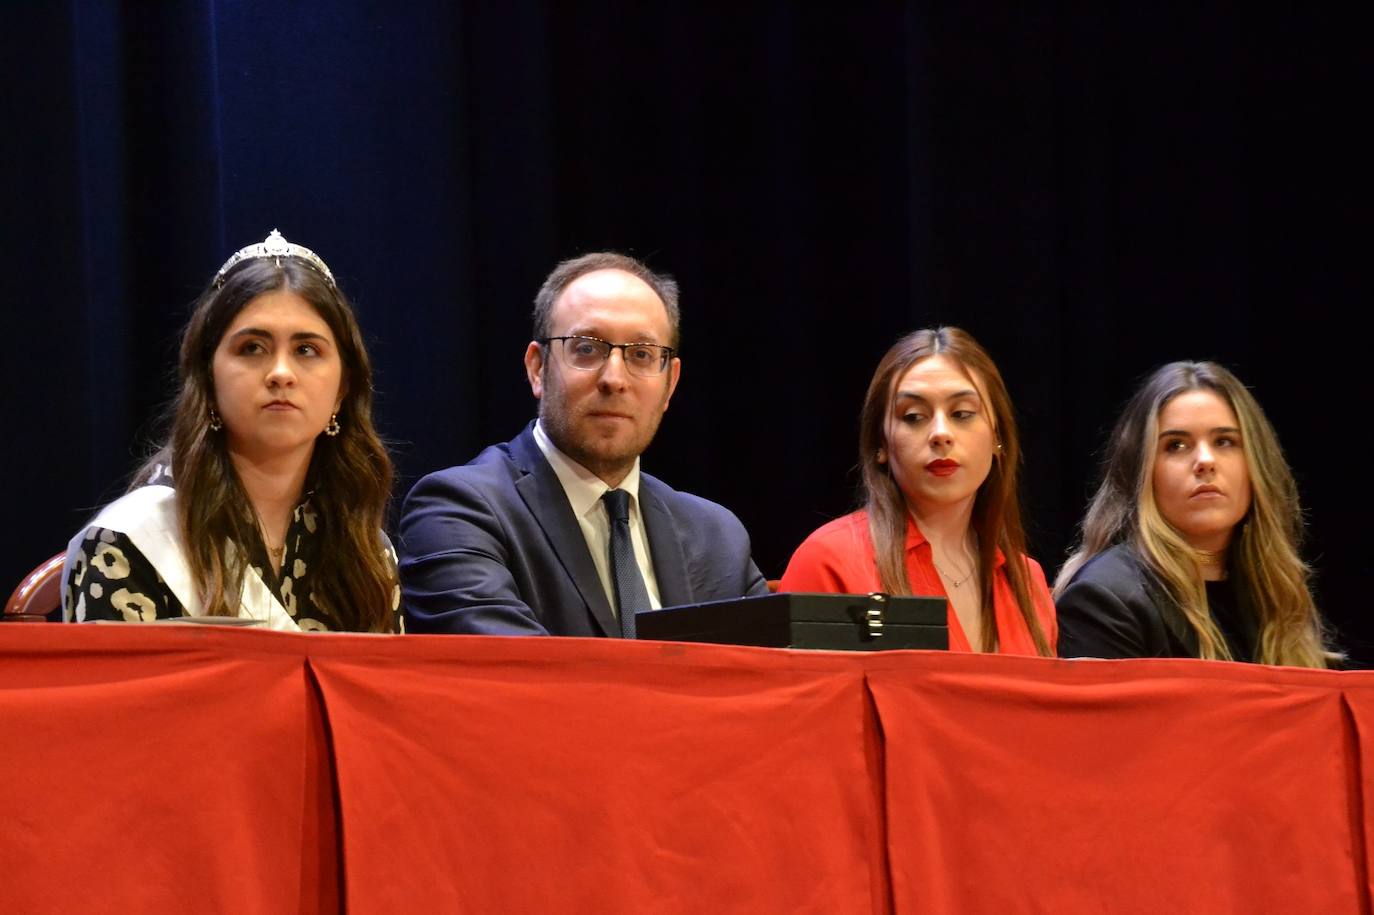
<point x="1190" y="546"/>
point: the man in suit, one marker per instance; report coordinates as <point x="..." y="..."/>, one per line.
<point x="557" y="531"/>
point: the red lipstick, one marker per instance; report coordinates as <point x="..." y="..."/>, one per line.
<point x="942" y="467"/>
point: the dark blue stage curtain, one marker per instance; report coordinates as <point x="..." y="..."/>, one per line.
<point x="1090" y="191"/>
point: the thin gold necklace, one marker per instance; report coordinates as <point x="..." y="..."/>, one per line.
<point x="954" y="582"/>
<point x="1210" y="557"/>
<point x="277" y="553"/>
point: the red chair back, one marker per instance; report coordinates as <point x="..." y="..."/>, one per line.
<point x="39" y="594"/>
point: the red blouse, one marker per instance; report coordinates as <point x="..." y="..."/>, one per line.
<point x="838" y="558"/>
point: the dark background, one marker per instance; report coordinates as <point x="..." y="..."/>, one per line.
<point x="1091" y="192"/>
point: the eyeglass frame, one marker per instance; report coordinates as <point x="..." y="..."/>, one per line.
<point x="668" y="353"/>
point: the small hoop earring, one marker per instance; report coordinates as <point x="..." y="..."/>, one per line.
<point x="216" y="423"/>
<point x="333" y="428"/>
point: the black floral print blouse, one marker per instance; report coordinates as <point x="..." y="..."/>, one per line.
<point x="110" y="579"/>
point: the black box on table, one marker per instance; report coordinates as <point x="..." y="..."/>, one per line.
<point x="837" y="622"/>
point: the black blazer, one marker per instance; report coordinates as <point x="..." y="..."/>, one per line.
<point x="1114" y="608"/>
<point x="493" y="548"/>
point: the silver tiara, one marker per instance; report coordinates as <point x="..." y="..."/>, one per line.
<point x="275" y="246"/>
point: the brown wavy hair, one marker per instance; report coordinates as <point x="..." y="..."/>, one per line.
<point x="350" y="474"/>
<point x="1264" y="560"/>
<point x="996" y="508"/>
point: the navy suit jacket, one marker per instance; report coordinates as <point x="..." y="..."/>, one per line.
<point x="493" y="548"/>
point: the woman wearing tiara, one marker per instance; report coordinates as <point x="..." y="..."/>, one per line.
<point x="940" y="457"/>
<point x="267" y="499"/>
<point x="1191" y="545"/>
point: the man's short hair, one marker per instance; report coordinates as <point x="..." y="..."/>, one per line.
<point x="663" y="285"/>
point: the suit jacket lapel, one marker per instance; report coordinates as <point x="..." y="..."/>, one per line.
<point x="670" y="561"/>
<point x="1174" y="621"/>
<point x="548" y="503"/>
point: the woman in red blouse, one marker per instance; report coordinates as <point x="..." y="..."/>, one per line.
<point x="940" y="458"/>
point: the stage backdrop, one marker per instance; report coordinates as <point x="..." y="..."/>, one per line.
<point x="1090" y="192"/>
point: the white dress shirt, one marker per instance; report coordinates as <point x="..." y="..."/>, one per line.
<point x="584" y="490"/>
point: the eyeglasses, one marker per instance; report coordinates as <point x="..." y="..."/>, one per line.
<point x="588" y="354"/>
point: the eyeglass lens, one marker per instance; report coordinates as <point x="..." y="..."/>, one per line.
<point x="589" y="353"/>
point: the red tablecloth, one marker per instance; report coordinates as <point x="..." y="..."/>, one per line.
<point x="162" y="771"/>
<point x="176" y="768"/>
<point x="1136" y="787"/>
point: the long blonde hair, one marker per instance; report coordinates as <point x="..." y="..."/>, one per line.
<point x="1264" y="560"/>
<point x="996" y="508"/>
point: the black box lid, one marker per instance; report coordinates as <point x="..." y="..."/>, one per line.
<point x="839" y="622"/>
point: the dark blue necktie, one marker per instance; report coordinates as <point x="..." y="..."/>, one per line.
<point x="631" y="596"/>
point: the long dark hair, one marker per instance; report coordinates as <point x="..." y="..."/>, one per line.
<point x="350" y="474"/>
<point x="1264" y="560"/>
<point x="996" y="508"/>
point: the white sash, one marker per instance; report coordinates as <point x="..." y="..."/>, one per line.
<point x="148" y="517"/>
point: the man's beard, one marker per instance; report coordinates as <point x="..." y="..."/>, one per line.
<point x="600" y="461"/>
